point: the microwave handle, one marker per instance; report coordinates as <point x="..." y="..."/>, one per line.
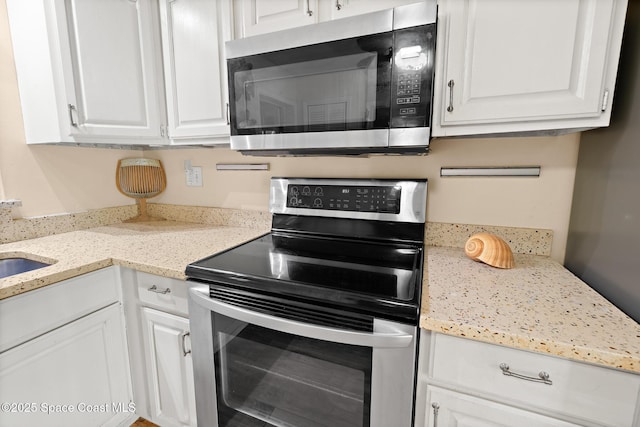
<point x="390" y="339"/>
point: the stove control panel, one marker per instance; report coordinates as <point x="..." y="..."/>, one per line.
<point x="354" y="198"/>
<point x="397" y="200"/>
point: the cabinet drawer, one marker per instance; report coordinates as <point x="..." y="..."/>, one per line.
<point x="25" y="316"/>
<point x="163" y="292"/>
<point x="587" y="392"/>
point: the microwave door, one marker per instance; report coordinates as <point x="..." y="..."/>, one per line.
<point x="315" y="95"/>
<point x="312" y="92"/>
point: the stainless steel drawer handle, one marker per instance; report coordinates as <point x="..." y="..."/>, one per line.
<point x="72" y="108"/>
<point x="542" y="377"/>
<point x="450" y="84"/>
<point x="184" y="347"/>
<point x="155" y="289"/>
<point x="309" y="11"/>
<point x="436" y="408"/>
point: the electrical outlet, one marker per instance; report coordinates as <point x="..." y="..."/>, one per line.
<point x="194" y="176"/>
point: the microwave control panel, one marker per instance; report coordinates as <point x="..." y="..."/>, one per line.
<point x="412" y="77"/>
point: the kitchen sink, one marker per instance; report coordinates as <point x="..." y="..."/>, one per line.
<point x="17" y="265"/>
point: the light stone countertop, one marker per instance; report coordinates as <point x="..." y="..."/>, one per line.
<point x="538" y="305"/>
<point x="163" y="248"/>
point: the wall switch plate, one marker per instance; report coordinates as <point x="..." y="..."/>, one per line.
<point x="194" y="176"/>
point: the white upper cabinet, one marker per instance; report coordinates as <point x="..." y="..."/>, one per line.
<point x="344" y="8"/>
<point x="193" y="36"/>
<point x="253" y="17"/>
<point x="513" y="66"/>
<point x="88" y="70"/>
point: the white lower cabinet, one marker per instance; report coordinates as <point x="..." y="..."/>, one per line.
<point x="76" y="374"/>
<point x="451" y="409"/>
<point x="169" y="368"/>
<point x="160" y="348"/>
<point x="463" y="382"/>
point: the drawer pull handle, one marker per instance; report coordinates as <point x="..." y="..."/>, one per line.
<point x="184" y="347"/>
<point x="436" y="408"/>
<point x="542" y="377"/>
<point x="155" y="289"/>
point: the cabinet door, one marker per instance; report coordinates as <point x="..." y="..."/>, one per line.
<point x="264" y="16"/>
<point x="522" y="61"/>
<point x="115" y="67"/>
<point x="447" y="408"/>
<point x="193" y="36"/>
<point x="344" y="8"/>
<point x="169" y="368"/>
<point x="76" y="375"/>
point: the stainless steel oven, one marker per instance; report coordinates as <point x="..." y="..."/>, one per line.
<point x="315" y="323"/>
<point x="352" y="85"/>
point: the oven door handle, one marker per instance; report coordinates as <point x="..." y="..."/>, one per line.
<point x="386" y="335"/>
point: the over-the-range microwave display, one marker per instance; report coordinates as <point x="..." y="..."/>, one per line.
<point x="344" y="92"/>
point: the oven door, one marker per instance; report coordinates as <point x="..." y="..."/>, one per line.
<point x="257" y="369"/>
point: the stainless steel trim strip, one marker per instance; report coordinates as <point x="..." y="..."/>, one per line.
<point x="389" y="338"/>
<point x="412" y="15"/>
<point x="506" y="171"/>
<point x="310" y="140"/>
<point x="242" y="166"/>
<point x="412" y="200"/>
<point x="409" y="137"/>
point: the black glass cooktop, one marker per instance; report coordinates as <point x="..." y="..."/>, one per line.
<point x="371" y="277"/>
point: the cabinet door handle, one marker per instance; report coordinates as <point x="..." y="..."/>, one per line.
<point x="542" y="377"/>
<point x="309" y="11"/>
<point x="338" y="5"/>
<point x="450" y="84"/>
<point x="184" y="347"/>
<point x="228" y="121"/>
<point x="155" y="289"/>
<point x="436" y="408"/>
<point x="72" y="108"/>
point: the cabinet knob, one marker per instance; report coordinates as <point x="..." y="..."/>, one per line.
<point x="338" y="5"/>
<point x="309" y="11"/>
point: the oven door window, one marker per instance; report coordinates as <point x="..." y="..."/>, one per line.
<point x="270" y="378"/>
<point x="340" y="85"/>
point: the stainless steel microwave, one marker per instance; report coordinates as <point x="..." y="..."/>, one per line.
<point x="355" y="85"/>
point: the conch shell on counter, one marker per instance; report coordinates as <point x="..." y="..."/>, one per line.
<point x="489" y="249"/>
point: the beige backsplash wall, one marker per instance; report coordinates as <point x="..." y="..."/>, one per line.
<point x="51" y="180"/>
<point x="542" y="202"/>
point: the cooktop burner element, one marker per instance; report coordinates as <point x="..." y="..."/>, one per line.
<point x="348" y="244"/>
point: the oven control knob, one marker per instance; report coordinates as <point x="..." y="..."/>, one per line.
<point x="295" y="191"/>
<point x="306" y="191"/>
<point x="293" y="201"/>
<point x="317" y="203"/>
<point x="318" y="191"/>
